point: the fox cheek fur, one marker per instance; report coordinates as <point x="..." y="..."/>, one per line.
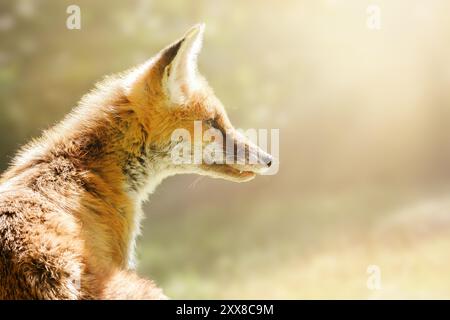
<point x="70" y="202"/>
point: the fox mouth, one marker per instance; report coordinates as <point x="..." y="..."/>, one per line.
<point x="243" y="175"/>
<point x="232" y="172"/>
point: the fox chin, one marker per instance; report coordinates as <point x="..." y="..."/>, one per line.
<point x="70" y="203"/>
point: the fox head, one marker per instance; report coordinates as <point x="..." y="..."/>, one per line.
<point x="167" y="93"/>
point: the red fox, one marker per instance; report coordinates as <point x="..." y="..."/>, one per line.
<point x="70" y="203"/>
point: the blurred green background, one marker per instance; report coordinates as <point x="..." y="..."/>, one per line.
<point x="364" y="119"/>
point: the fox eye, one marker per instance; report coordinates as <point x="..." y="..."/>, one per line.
<point x="212" y="123"/>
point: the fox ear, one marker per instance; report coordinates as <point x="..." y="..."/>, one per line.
<point x="180" y="78"/>
<point x="174" y="69"/>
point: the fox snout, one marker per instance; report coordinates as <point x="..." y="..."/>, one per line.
<point x="266" y="159"/>
<point x="248" y="156"/>
<point x="258" y="160"/>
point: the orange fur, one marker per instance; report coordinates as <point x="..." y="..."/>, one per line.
<point x="70" y="202"/>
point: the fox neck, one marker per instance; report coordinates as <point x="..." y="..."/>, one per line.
<point x="114" y="147"/>
<point x="143" y="171"/>
<point x="143" y="166"/>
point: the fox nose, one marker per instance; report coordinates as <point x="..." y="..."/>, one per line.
<point x="268" y="160"/>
